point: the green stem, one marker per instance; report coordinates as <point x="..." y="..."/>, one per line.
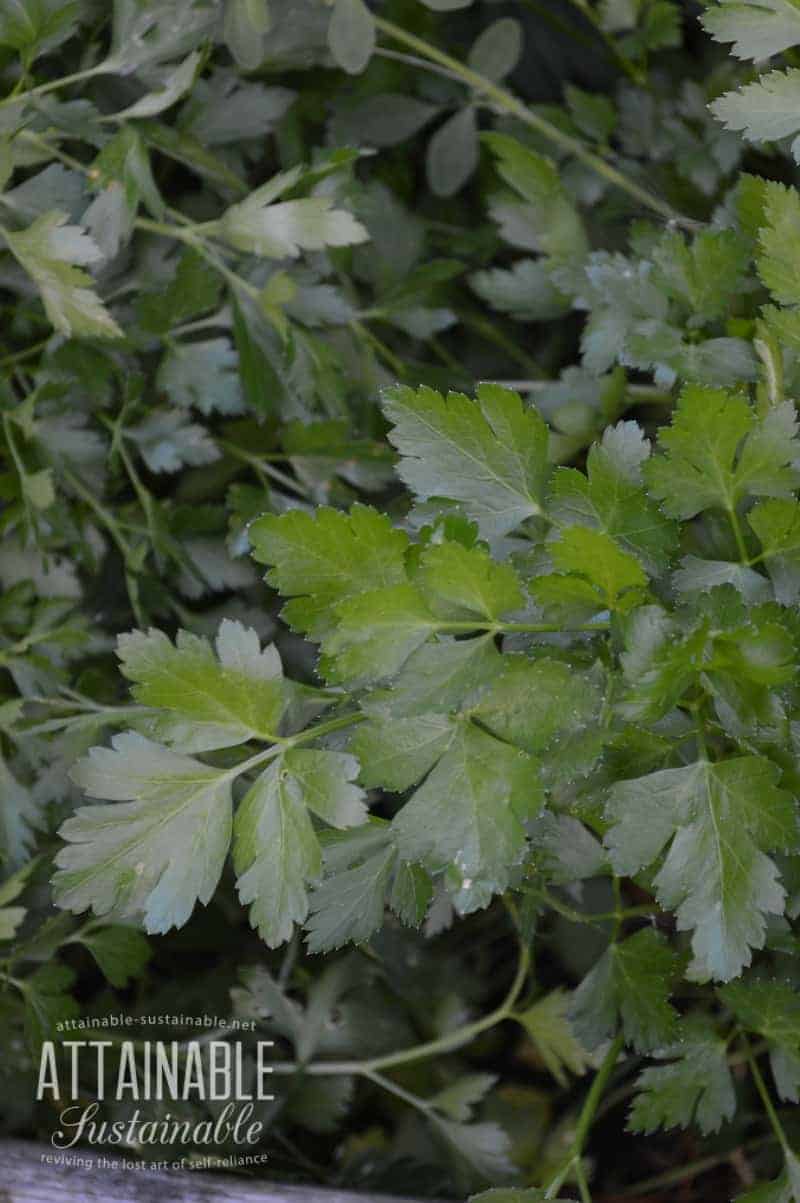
<point x="509" y="103"/>
<point x="20" y="356"/>
<point x="590" y="1105"/>
<point x="761" y="1087"/>
<point x="53" y="85"/>
<point x="616" y="916"/>
<point x="431" y="1048"/>
<point x="736" y="526"/>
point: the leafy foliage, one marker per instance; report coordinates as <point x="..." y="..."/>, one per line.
<point x="406" y="393"/>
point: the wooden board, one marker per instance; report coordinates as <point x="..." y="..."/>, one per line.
<point x="27" y="1177"/>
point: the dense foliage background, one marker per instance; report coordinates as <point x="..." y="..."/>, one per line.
<point x="504" y="747"/>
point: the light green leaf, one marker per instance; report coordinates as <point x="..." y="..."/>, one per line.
<point x="718" y="821"/>
<point x="718" y="452"/>
<point x="160" y="852"/>
<point x="469" y="809"/>
<point x="202" y="374"/>
<point x="259" y="226"/>
<point x="765" y="110"/>
<point x="458" y="582"/>
<point x="215" y="701"/>
<point x="497" y="49"/>
<point x="351" y="35"/>
<point x="777" y="525"/>
<point x="779" y="237"/>
<point x="49" y="251"/>
<point x="535" y="704"/>
<point x="695" y="1086"/>
<point x="322" y="559"/>
<point x="548" y="1027"/>
<point x="176" y="84"/>
<point x="757" y="28"/>
<point x="557" y="225"/>
<point x="276" y="851"/>
<point x="524" y="290"/>
<point x="772" y="1010"/>
<point x="375" y="634"/>
<point x="452" y="154"/>
<point x="20" y="817"/>
<point x="593" y="574"/>
<point x="610" y="496"/>
<point x="489" y="454"/>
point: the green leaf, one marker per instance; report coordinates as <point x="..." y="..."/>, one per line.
<point x="48" y="1002"/>
<point x="276" y="851"/>
<point x="484" y="1148"/>
<point x="459" y="581"/>
<point x="49" y="251"/>
<point x="765" y="110"/>
<point x="490" y="454"/>
<point x="694" y="1087"/>
<point x="395" y="753"/>
<point x="757" y="28"/>
<point x="537" y="704"/>
<point x="779" y="239"/>
<point x="348" y="905"/>
<point x="259" y="226"/>
<point x="214" y="701"/>
<point x="245" y="24"/>
<point x="718" y="821"/>
<point x="457" y="1101"/>
<point x="36" y="27"/>
<point x="203" y="374"/>
<point x="557" y="226"/>
<point x="717" y="452"/>
<point x="596" y="556"/>
<point x="496" y="51"/>
<point x="375" y="634"/>
<point x="176" y="84"/>
<point x="777" y="525"/>
<point x="771" y="1009"/>
<point x="610" y="497"/>
<point x="351" y="35"/>
<point x="548" y="1027"/>
<point x="323" y="559"/>
<point x="121" y="952"/>
<point x="20" y="818"/>
<point x="156" y="855"/>
<point x="470" y="808"/>
<point x="633" y="981"/>
<point x="452" y="154"/>
<point x="704" y="275"/>
<point x="525" y="291"/>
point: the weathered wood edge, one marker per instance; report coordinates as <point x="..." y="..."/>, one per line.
<point x="25" y="1177"/>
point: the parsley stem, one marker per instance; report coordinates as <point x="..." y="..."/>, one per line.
<point x="509" y="103"/>
<point x="761" y="1087"/>
<point x="280" y="742"/>
<point x="53" y="85"/>
<point x="736" y="526"/>
<point x="585" y="1119"/>
<point x="431" y="1048"/>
